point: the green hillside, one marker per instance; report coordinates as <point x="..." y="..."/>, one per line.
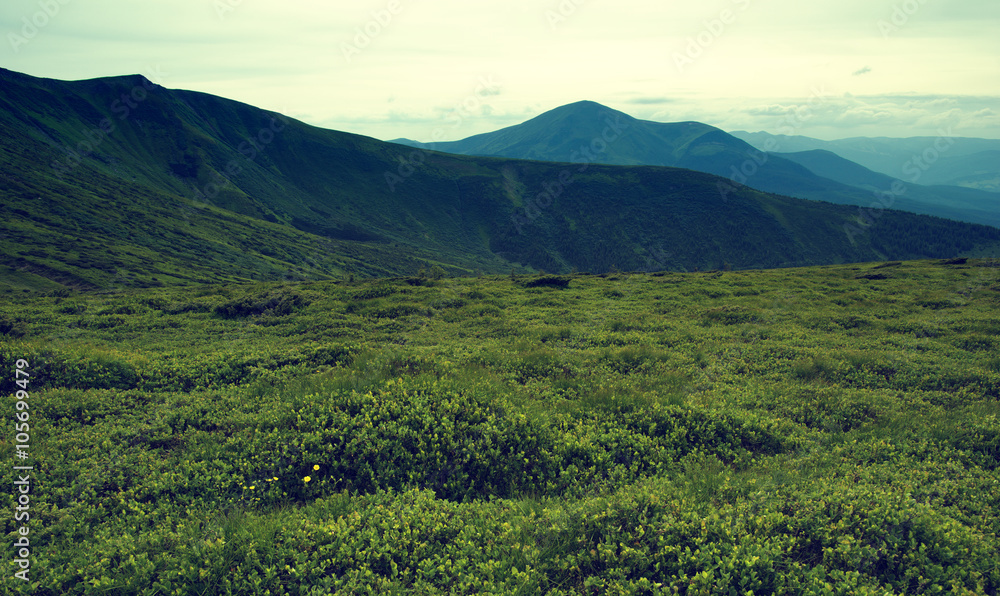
<point x="118" y="182"/>
<point x="826" y="430"/>
<point x="588" y="131"/>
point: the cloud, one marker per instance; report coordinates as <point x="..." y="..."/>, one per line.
<point x="489" y="91"/>
<point x="848" y="115"/>
<point x="755" y="72"/>
<point x="774" y="110"/>
<point x="649" y="101"/>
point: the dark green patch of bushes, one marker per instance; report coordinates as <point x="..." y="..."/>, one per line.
<point x="374" y="291"/>
<point x="274" y="303"/>
<point x="551" y="281"/>
<point x="12" y="326"/>
<point x="395" y="311"/>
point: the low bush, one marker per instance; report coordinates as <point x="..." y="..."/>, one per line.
<point x="274" y="302"/>
<point x="809" y="437"/>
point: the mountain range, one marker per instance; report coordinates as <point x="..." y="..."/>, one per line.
<point x="942" y="160"/>
<point x="117" y="182"/>
<point x="578" y="131"/>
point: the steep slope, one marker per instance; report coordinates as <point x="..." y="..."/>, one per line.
<point x="174" y="153"/>
<point x="95" y="230"/>
<point x="121" y="182"/>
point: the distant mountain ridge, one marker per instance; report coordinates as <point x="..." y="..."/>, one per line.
<point x="576" y="132"/>
<point x="184" y="187"/>
<point x="967" y="162"/>
<point x="943" y="201"/>
<point x="580" y="131"/>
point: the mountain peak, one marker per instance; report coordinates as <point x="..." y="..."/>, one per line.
<point x="585" y="108"/>
<point x="585" y="104"/>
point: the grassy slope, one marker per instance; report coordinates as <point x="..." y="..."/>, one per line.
<point x="313" y="203"/>
<point x="175" y="144"/>
<point x="117" y="234"/>
<point x="828" y="430"/>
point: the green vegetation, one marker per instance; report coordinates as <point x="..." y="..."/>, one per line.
<point x="189" y="188"/>
<point x="828" y="430"/>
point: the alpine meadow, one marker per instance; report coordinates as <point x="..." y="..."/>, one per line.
<point x="824" y="430"/>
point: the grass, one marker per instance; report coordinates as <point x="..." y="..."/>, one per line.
<point x="628" y="434"/>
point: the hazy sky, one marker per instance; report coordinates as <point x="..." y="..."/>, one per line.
<point x="451" y="68"/>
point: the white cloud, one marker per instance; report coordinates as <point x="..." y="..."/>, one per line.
<point x="757" y="59"/>
<point x="899" y="116"/>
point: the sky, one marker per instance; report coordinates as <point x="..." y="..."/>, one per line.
<point x="448" y="69"/>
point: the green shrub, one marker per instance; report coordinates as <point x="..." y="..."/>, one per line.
<point x="178" y="308"/>
<point x="528" y="441"/>
<point x="552" y="281"/>
<point x="813" y="369"/>
<point x="275" y="303"/>
<point x="12" y="327"/>
<point x="483" y="310"/>
<point x="395" y="311"/>
<point x="445" y="303"/>
<point x="374" y="291"/>
<point x="731" y="315"/>
<point x="633" y="358"/>
<point x="976" y="343"/>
